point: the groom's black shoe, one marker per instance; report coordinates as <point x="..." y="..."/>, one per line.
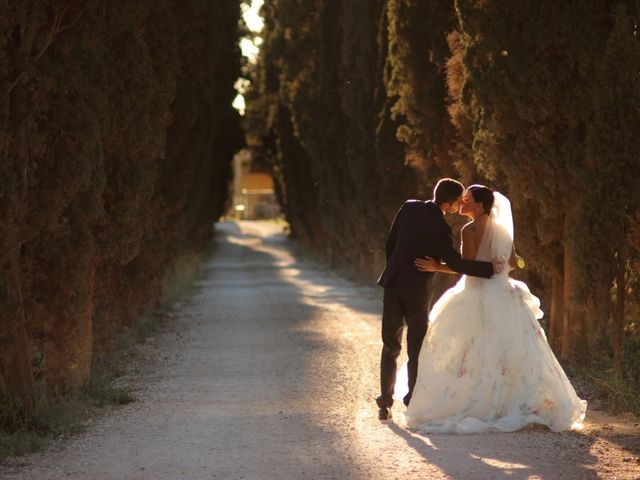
<point x="384" y="413"/>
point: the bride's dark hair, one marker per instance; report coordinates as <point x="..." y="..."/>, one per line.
<point x="483" y="195"/>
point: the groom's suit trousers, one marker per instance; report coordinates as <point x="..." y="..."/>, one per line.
<point x="400" y="307"/>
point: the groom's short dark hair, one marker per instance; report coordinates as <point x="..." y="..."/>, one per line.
<point x="447" y="190"/>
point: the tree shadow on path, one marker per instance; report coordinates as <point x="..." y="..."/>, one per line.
<point x="511" y="456"/>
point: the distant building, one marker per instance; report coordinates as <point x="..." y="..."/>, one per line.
<point x="253" y="193"/>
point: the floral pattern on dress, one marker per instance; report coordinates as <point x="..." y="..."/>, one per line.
<point x="485" y="364"/>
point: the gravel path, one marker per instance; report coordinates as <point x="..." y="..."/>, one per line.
<point x="269" y="372"/>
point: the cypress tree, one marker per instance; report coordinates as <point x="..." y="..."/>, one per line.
<point x="337" y="96"/>
<point x="16" y="379"/>
<point x="116" y="137"/>
<point x="417" y="56"/>
<point x="321" y="82"/>
<point x="528" y="89"/>
<point x="609" y="197"/>
<point x="271" y="121"/>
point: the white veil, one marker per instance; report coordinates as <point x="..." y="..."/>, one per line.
<point x="497" y="240"/>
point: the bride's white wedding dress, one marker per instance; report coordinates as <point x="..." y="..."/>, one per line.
<point x="485" y="364"/>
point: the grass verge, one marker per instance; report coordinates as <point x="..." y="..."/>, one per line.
<point x="21" y="433"/>
<point x="599" y="382"/>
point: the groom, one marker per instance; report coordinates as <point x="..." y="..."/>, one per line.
<point x="418" y="230"/>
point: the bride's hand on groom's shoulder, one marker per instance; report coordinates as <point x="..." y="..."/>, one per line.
<point x="426" y="264"/>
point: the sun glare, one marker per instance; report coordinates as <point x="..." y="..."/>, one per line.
<point x="249" y="45"/>
<point x="249" y="48"/>
<point x="251" y="15"/>
<point x="238" y="104"/>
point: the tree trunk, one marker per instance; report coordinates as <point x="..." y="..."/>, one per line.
<point x="16" y="377"/>
<point x="596" y="318"/>
<point x="573" y="342"/>
<point x="68" y="344"/>
<point x="617" y="335"/>
<point x="556" y="313"/>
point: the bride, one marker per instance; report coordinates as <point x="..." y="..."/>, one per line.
<point x="485" y="364"/>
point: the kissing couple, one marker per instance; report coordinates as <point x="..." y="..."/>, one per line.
<point x="479" y="360"/>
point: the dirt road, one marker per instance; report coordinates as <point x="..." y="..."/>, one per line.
<point x="269" y="372"/>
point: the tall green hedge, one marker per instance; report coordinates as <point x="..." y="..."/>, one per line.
<point x="359" y="106"/>
<point x="319" y="111"/>
<point x="116" y="136"/>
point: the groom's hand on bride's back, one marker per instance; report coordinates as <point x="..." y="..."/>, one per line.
<point x="426" y="264"/>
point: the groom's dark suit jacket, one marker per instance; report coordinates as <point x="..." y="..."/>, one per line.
<point x="418" y="230"/>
